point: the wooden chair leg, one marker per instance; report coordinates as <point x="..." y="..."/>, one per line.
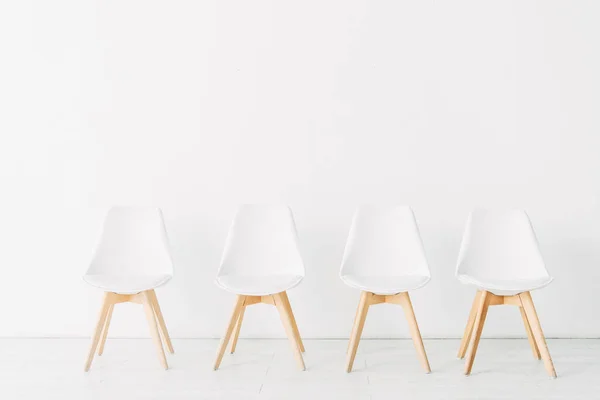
<point x="354" y="324"/>
<point x="98" y="331"/>
<point x="478" y="328"/>
<point x="538" y="334"/>
<point x="469" y="328"/>
<point x="361" y="316"/>
<point x="414" y="330"/>
<point x="285" y="298"/>
<point x="239" y="304"/>
<point x="286" y="318"/>
<point x="161" y="321"/>
<point x="151" y="318"/>
<point x="105" y="330"/>
<point x="532" y="343"/>
<point x="236" y="332"/>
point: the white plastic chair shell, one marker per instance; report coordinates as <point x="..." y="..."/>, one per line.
<point x="133" y="253"/>
<point x="384" y="253"/>
<point x="500" y="253"/>
<point x="261" y="255"/>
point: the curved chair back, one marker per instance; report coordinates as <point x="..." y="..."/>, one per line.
<point x="134" y="242"/>
<point x="500" y="245"/>
<point x="262" y="241"/>
<point x="384" y="241"/>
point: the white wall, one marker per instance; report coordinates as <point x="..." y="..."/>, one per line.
<point x="197" y="106"/>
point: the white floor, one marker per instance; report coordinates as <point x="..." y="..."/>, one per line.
<point x="265" y="369"/>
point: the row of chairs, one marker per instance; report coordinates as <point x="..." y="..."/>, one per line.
<point x="384" y="258"/>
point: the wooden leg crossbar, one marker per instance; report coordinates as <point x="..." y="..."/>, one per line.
<point x="158" y="328"/>
<point x="368" y="299"/>
<point x="282" y="303"/>
<point x="484" y="299"/>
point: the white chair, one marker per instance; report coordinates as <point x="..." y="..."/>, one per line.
<point x="261" y="261"/>
<point x="131" y="260"/>
<point x="384" y="258"/>
<point x="500" y="257"/>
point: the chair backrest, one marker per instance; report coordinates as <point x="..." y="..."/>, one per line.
<point x="500" y="244"/>
<point x="262" y="241"/>
<point x="384" y="241"/>
<point x="134" y="242"/>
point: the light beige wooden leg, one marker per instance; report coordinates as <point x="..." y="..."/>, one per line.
<point x="469" y="328"/>
<point x="105" y="330"/>
<point x="236" y="332"/>
<point x="359" y="324"/>
<point x="98" y="331"/>
<point x="161" y="321"/>
<point x="538" y="334"/>
<point x="294" y="324"/>
<point x="286" y="319"/>
<point x="414" y="330"/>
<point x="354" y="324"/>
<point x="151" y="318"/>
<point x="478" y="328"/>
<point x="532" y="343"/>
<point x="239" y="304"/>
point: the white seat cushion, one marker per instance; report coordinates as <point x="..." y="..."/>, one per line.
<point x="257" y="285"/>
<point x="385" y="284"/>
<point x="502" y="287"/>
<point x="126" y="284"/>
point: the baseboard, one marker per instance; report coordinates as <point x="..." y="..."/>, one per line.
<point x="67" y="337"/>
